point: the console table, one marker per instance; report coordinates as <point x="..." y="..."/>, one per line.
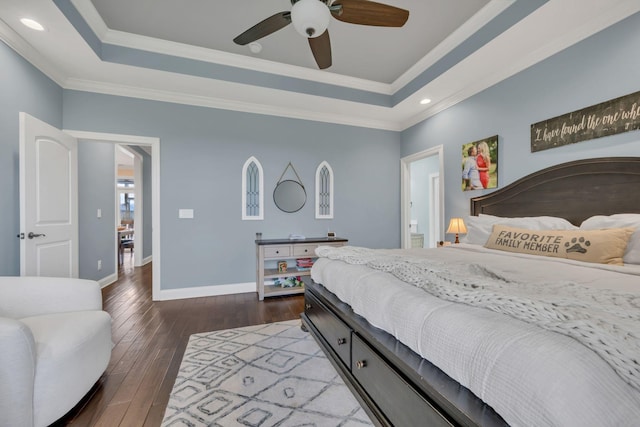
<point x="270" y="251"/>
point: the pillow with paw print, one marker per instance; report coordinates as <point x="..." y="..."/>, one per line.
<point x="597" y="246"/>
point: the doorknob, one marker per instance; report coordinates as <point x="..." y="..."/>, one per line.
<point x="31" y="235"/>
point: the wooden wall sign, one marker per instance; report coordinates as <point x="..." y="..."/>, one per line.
<point x="607" y="118"/>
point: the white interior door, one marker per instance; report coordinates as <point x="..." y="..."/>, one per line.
<point x="48" y="200"/>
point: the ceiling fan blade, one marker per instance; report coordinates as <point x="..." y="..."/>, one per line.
<point x="321" y="49"/>
<point x="264" y="28"/>
<point x="366" y="12"/>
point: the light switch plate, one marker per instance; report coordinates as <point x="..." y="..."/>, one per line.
<point x="185" y="213"/>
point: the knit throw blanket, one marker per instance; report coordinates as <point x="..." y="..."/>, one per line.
<point x="605" y="321"/>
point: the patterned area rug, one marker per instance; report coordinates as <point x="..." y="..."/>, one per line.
<point x="265" y="375"/>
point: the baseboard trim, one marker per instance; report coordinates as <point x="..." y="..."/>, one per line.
<point x="206" y="291"/>
<point x="109" y="280"/>
<point x="145" y="261"/>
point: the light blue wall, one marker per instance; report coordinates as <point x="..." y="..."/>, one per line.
<point x="202" y="152"/>
<point x="96" y="190"/>
<point x="602" y="67"/>
<point x="22" y="88"/>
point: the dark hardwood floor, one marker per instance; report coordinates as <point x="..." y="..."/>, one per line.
<point x="150" y="339"/>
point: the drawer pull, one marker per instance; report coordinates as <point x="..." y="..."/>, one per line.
<point x="307" y="306"/>
<point x="361" y="364"/>
<point x="277" y="252"/>
<point x="342" y="341"/>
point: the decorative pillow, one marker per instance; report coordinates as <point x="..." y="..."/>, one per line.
<point x="479" y="228"/>
<point x="597" y="246"/>
<point x="632" y="254"/>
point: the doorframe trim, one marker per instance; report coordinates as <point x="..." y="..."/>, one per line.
<point x="405" y="191"/>
<point x="435" y="230"/>
<point x="154" y="143"/>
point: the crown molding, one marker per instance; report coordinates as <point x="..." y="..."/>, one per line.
<point x="352" y="114"/>
<point x="165" y="47"/>
<point x="28" y="52"/>
<point x="135" y="41"/>
<point x="466" y="30"/>
<point x="91" y="16"/>
<point x="534" y="56"/>
<point x="225" y="104"/>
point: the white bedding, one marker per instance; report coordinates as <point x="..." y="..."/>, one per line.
<point x="529" y="375"/>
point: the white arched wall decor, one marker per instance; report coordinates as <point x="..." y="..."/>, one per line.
<point x="252" y="190"/>
<point x="324" y="191"/>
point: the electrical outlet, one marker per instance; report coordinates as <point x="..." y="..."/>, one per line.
<point x="99" y="264"/>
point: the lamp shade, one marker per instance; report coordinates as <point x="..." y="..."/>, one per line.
<point x="456" y="225"/>
<point x="310" y="17"/>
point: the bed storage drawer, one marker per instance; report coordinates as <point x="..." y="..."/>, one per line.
<point x="398" y="400"/>
<point x="335" y="332"/>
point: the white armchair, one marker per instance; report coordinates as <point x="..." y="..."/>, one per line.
<point x="55" y="343"/>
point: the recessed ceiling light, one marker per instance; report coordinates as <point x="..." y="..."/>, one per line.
<point x="34" y="25"/>
<point x="425" y="101"/>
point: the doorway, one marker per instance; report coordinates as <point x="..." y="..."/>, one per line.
<point x="422" y="209"/>
<point x="153" y="145"/>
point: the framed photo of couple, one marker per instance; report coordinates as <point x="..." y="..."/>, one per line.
<point x="480" y="164"/>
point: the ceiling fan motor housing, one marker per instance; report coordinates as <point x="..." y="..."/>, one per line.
<point x="310" y="18"/>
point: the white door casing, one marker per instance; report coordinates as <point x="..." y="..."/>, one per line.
<point x="48" y="200"/>
<point x="435" y="231"/>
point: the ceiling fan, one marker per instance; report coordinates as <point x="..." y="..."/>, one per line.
<point x="311" y="19"/>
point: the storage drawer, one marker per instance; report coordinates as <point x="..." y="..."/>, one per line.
<point x="337" y="334"/>
<point x="304" y="250"/>
<point x="402" y="405"/>
<point x="277" y="251"/>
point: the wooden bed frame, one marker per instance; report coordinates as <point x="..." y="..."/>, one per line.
<point x="397" y="386"/>
<point x="576" y="191"/>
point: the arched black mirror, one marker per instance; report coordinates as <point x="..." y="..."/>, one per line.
<point x="289" y="196"/>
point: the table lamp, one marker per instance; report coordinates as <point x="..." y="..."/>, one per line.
<point x="456" y="225"/>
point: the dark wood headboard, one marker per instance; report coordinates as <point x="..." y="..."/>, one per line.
<point x="575" y="190"/>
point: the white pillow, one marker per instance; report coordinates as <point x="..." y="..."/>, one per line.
<point x="632" y="254"/>
<point x="535" y="222"/>
<point x="479" y="228"/>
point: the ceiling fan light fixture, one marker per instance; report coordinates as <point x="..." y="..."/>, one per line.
<point x="255" y="47"/>
<point x="310" y="18"/>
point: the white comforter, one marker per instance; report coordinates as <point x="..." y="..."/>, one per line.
<point x="529" y="375"/>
